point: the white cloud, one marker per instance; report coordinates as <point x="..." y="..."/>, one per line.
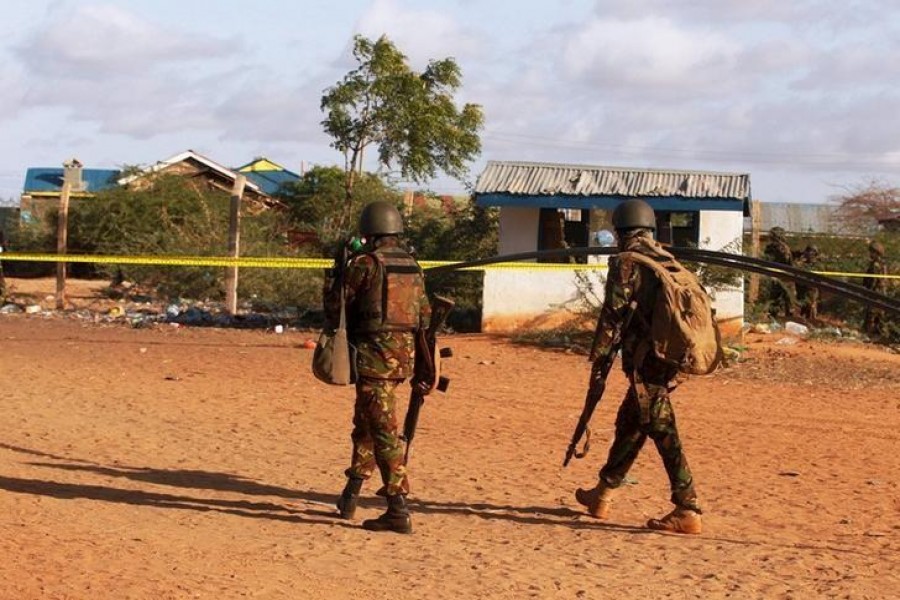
<point x="422" y="35"/>
<point x="647" y="53"/>
<point x="100" y="40"/>
<point x="107" y="67"/>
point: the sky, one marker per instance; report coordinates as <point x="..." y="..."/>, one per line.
<point x="802" y="95"/>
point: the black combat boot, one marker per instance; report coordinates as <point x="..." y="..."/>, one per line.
<point x="395" y="519"/>
<point x="346" y="504"/>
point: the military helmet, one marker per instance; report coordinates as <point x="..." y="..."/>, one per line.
<point x="380" y="218"/>
<point x="810" y="249"/>
<point x="777" y="232"/>
<point x="877" y="248"/>
<point x="634" y="214"/>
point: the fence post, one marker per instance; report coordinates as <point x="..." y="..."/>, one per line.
<point x="753" y="294"/>
<point x="234" y="243"/>
<point x="62" y="233"/>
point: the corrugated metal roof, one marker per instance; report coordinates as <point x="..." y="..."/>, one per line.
<point x="549" y="179"/>
<point x="270" y="182"/>
<point x="40" y="179"/>
<point x="189" y="155"/>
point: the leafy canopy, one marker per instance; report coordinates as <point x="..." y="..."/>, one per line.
<point x="410" y="117"/>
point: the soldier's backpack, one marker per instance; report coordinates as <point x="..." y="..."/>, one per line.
<point x="683" y="326"/>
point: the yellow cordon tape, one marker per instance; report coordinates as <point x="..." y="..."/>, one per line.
<point x="831" y="274"/>
<point x="259" y="262"/>
<point x="263" y="262"/>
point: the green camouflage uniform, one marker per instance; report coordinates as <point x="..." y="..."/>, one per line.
<point x="807" y="295"/>
<point x="874" y="318"/>
<point x="646" y="410"/>
<point x="782" y="294"/>
<point x="384" y="355"/>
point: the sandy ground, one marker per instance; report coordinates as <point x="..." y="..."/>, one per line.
<point x="204" y="463"/>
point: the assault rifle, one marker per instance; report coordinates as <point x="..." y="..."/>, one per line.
<point x="600" y="369"/>
<point x="427" y="370"/>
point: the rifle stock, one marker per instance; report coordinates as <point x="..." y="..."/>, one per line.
<point x="597" y="385"/>
<point x="600" y="369"/>
<point x="427" y="368"/>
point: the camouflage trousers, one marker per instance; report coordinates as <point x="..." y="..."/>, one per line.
<point x="873" y="322"/>
<point x="782" y="298"/>
<point x="647" y="412"/>
<point x="376" y="436"/>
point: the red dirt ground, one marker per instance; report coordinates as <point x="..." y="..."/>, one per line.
<point x="203" y="463"/>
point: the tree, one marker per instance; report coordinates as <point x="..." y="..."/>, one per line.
<point x="410" y="117"/>
<point x="863" y="206"/>
<point x="314" y="202"/>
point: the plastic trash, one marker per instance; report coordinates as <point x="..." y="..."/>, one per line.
<point x="796" y="328"/>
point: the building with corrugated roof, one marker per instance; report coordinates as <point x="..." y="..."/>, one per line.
<point x="545" y="206"/>
<point x="43" y="185"/>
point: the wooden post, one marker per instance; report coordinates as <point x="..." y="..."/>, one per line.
<point x="753" y="293"/>
<point x="234" y="243"/>
<point x="62" y="233"/>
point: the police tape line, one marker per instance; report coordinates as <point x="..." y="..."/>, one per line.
<point x="263" y="262"/>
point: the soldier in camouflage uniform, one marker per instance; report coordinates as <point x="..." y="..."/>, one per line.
<point x="782" y="294"/>
<point x="646" y="410"/>
<point x="808" y="295"/>
<point x="874" y="319"/>
<point x="2" y="278"/>
<point x="386" y="303"/>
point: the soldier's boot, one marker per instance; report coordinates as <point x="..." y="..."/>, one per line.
<point x="598" y="500"/>
<point x="346" y="504"/>
<point x="395" y="519"/>
<point x="680" y="520"/>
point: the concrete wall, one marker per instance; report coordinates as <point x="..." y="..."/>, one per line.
<point x="722" y="231"/>
<point x="517" y="299"/>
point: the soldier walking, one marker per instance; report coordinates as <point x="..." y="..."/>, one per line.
<point x="629" y="300"/>
<point x="385" y="300"/>
<point x="782" y="294"/>
<point x="873" y="323"/>
<point x="808" y="295"/>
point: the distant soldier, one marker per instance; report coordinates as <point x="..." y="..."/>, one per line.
<point x="807" y="295"/>
<point x="874" y="320"/>
<point x="782" y="295"/>
<point x="2" y="279"/>
<point x="630" y="298"/>
<point x="384" y="290"/>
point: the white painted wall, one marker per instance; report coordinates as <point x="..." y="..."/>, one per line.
<point x="718" y="229"/>
<point x="523" y="298"/>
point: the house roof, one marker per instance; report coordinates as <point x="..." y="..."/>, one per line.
<point x="49" y="180"/>
<point x="190" y="155"/>
<point x="504" y="183"/>
<point x="268" y="175"/>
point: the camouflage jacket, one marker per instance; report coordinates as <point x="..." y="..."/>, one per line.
<point x="779" y="251"/>
<point x="877" y="266"/>
<point x="626" y="282"/>
<point x="379" y="354"/>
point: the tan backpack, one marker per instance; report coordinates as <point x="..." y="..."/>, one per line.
<point x="683" y="328"/>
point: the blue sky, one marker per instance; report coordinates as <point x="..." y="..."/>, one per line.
<point x="803" y="95"/>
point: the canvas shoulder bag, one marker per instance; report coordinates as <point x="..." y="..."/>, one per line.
<point x="334" y="359"/>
